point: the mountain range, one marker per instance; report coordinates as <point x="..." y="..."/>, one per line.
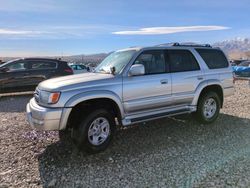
<point x="237" y="48"/>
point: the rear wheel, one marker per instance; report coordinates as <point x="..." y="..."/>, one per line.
<point x="95" y="131"/>
<point x="208" y="107"/>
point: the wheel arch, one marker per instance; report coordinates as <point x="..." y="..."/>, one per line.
<point x="214" y="86"/>
<point x="90" y="100"/>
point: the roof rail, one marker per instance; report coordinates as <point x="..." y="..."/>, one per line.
<point x="193" y="45"/>
<point x="185" y="45"/>
<point x="167" y="44"/>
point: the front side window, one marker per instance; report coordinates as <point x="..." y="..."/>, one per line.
<point x="43" y="65"/>
<point x="16" y="66"/>
<point x="214" y="58"/>
<point x="181" y="61"/>
<point x="153" y="61"/>
<point x="115" y="62"/>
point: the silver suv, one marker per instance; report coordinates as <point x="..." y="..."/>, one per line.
<point x="130" y="86"/>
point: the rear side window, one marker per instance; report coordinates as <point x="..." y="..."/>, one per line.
<point x="214" y="59"/>
<point x="43" y="65"/>
<point x="181" y="61"/>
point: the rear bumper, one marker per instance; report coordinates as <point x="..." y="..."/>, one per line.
<point x="42" y="118"/>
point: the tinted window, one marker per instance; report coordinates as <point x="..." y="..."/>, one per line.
<point x="245" y="64"/>
<point x="43" y="65"/>
<point x="81" y="67"/>
<point x="214" y="59"/>
<point x="181" y="61"/>
<point x="74" y="67"/>
<point x="16" y="66"/>
<point x="153" y="61"/>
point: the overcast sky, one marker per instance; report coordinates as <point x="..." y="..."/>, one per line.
<point x="67" y="27"/>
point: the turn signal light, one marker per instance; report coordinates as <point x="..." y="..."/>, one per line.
<point x="54" y="97"/>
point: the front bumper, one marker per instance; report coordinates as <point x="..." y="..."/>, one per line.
<point x="42" y="118"/>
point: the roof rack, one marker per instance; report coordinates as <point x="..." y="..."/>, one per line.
<point x="167" y="44"/>
<point x="192" y="45"/>
<point x="186" y="45"/>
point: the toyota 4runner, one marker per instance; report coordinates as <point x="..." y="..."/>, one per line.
<point x="131" y="86"/>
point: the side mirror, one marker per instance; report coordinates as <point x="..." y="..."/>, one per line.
<point x="4" y="69"/>
<point x="136" y="70"/>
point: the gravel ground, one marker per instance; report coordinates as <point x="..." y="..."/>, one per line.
<point x="171" y="152"/>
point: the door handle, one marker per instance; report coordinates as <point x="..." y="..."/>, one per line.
<point x="164" y="81"/>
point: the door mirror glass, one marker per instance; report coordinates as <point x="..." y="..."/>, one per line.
<point x="136" y="70"/>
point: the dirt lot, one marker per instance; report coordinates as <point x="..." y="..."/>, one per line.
<point x="171" y="152"/>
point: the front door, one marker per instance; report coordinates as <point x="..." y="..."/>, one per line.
<point x="149" y="91"/>
<point x="15" y="78"/>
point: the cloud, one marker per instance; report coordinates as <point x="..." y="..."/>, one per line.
<point x="41" y="33"/>
<point x="57" y="31"/>
<point x="169" y="30"/>
<point x="89" y="31"/>
<point x="19" y="32"/>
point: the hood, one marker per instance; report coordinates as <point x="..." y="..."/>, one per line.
<point x="72" y="81"/>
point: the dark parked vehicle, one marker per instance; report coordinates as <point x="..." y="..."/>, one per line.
<point x="25" y="74"/>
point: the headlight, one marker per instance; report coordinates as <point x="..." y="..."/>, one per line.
<point x="49" y="97"/>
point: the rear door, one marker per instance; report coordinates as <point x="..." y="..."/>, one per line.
<point x="41" y="70"/>
<point x="186" y="75"/>
<point x="152" y="90"/>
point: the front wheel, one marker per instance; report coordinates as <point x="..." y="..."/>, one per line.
<point x="208" y="108"/>
<point x="95" y="132"/>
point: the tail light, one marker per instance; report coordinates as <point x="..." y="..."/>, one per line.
<point x="69" y="70"/>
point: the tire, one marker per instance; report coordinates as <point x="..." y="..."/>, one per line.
<point x="208" y="108"/>
<point x="91" y="138"/>
<point x="64" y="135"/>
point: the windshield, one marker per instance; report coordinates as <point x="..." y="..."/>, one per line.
<point x="117" y="61"/>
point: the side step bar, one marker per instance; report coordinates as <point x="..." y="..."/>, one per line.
<point x="131" y="121"/>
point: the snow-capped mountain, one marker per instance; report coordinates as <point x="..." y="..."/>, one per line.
<point x="234" y="45"/>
